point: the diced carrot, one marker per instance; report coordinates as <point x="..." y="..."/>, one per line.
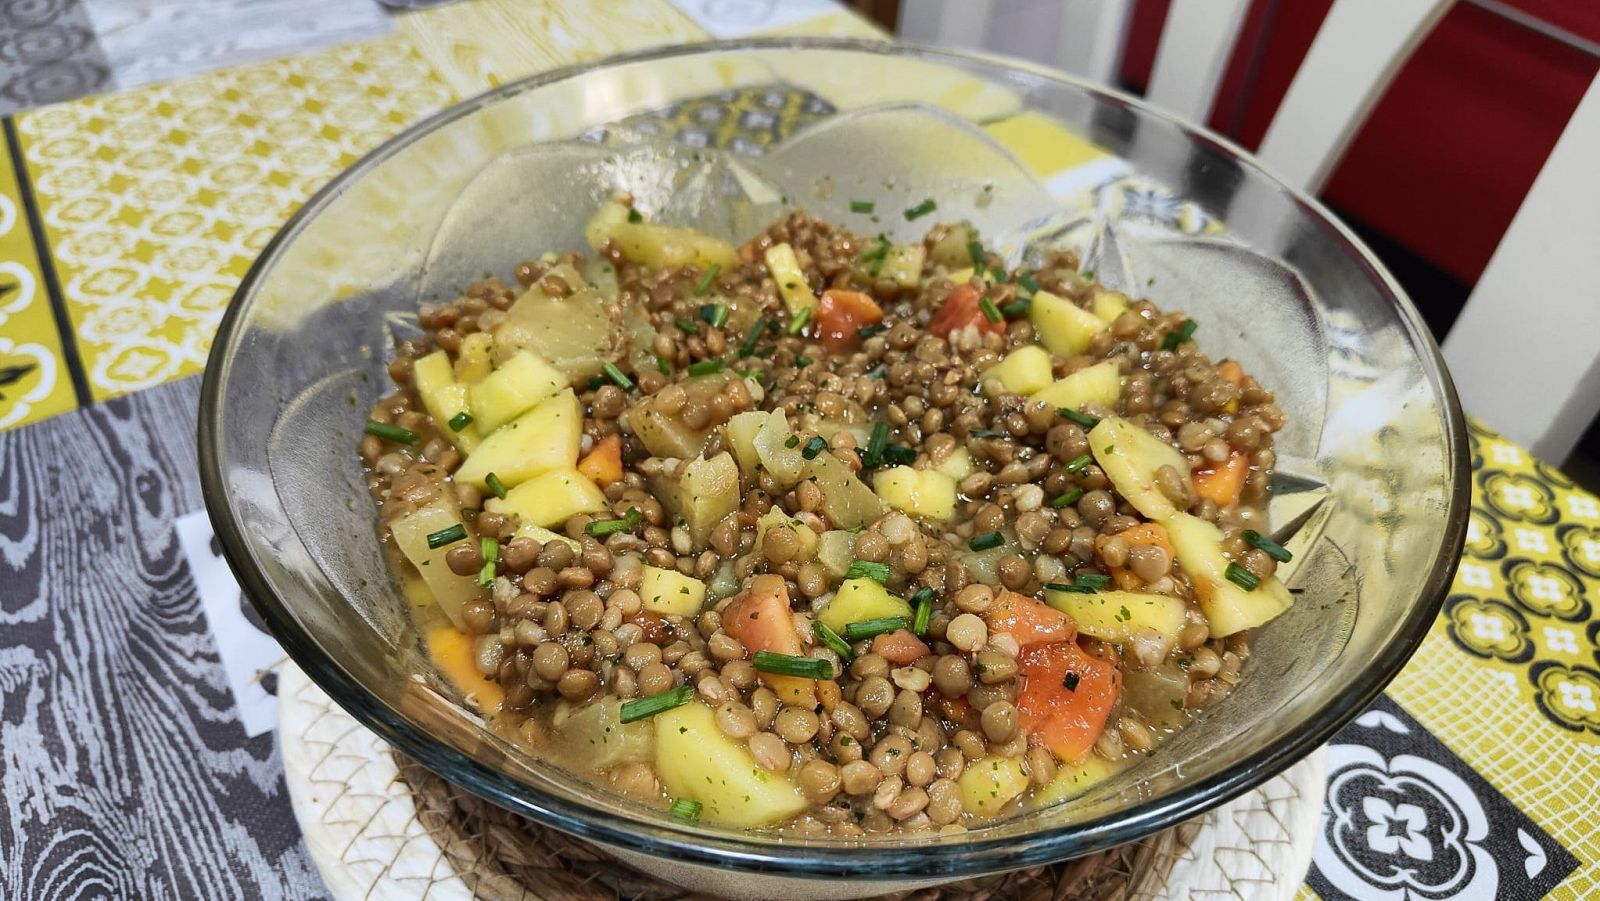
<point x="1224" y="483"/>
<point x="453" y="653"/>
<point x="1230" y="371"/>
<point x="901" y="647"/>
<point x="961" y="309"/>
<point x="841" y="314"/>
<point x="1148" y="534"/>
<point x="604" y="463"/>
<point x="1029" y="621"/>
<point x="829" y="695"/>
<point x="761" y="620"/>
<point x="1066" y="697"/>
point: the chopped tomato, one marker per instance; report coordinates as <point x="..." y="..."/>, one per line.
<point x="762" y="621"/>
<point x="841" y="314"/>
<point x="1066" y="697"/>
<point x="901" y="647"/>
<point x="1148" y="535"/>
<point x="1224" y="483"/>
<point x="1231" y="372"/>
<point x="604" y="463"/>
<point x="1029" y="621"/>
<point x="960" y="310"/>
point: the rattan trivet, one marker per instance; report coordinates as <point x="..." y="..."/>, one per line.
<point x="380" y="826"/>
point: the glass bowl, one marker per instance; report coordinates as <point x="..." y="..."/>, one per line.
<point x="1372" y="488"/>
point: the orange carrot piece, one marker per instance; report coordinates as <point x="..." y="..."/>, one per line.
<point x="841" y="314"/>
<point x="604" y="462"/>
<point x="761" y="620"/>
<point x="1066" y="697"/>
<point x="961" y="309"/>
<point x="1230" y="371"/>
<point x="901" y="647"/>
<point x="1029" y="621"/>
<point x="1224" y="483"/>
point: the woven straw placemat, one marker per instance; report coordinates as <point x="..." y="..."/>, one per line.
<point x="380" y="826"/>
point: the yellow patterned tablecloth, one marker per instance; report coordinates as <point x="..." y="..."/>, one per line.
<point x="127" y="220"/>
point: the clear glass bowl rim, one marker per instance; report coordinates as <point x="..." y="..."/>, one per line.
<point x="884" y="859"/>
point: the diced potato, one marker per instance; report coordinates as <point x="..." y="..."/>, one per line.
<point x="671" y="593"/>
<point x="1158" y="695"/>
<point x="1228" y="608"/>
<point x="572" y="333"/>
<point x="1131" y="457"/>
<point x="739" y="436"/>
<point x="964" y="275"/>
<point x="544" y="438"/>
<point x="989" y="783"/>
<point x="902" y="264"/>
<point x="411" y="532"/>
<point x="520" y="384"/>
<point x="604" y="221"/>
<point x="1074" y="779"/>
<point x="601" y="275"/>
<point x="475" y="359"/>
<point x="858" y="600"/>
<point x="551" y="498"/>
<point x="950" y="251"/>
<point x="846" y="499"/>
<point x="836" y="551"/>
<point x="1115" y="615"/>
<point x="696" y="761"/>
<point x="920" y="492"/>
<point x="1024" y="371"/>
<point x="785" y="269"/>
<point x="640" y="336"/>
<point x="958" y="465"/>
<point x="781" y="457"/>
<point x="669" y="247"/>
<point x="1107" y="305"/>
<point x="444" y="398"/>
<point x="663" y="433"/>
<point x="1099" y="385"/>
<point x="1063" y="326"/>
<point x="595" y="736"/>
<point x="701" y="495"/>
<point x="984" y="566"/>
<point x="545" y="536"/>
<point x="805" y="538"/>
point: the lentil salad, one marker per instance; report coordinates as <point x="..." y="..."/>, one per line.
<point x="825" y="533"/>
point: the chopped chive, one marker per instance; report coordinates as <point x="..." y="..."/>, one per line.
<point x="663" y="365"/>
<point x="921" y="209"/>
<point x="715" y="314"/>
<point x="986" y="541"/>
<point x="687" y="327"/>
<point x="1272" y="549"/>
<point x="800" y="321"/>
<point x="830" y="638"/>
<point x="790" y="665"/>
<point x="1068" y="499"/>
<point x="1078" y="464"/>
<point x="491" y="556"/>
<point x="987" y="433"/>
<point x="705" y="367"/>
<point x="923" y="601"/>
<point x="975" y="251"/>
<point x="686" y="810"/>
<point x="813" y="447"/>
<point x="595" y="381"/>
<point x="876" y="443"/>
<point x="639" y="708"/>
<point x="862" y="206"/>
<point x="792" y="441"/>
<point x="460" y="421"/>
<point x="704" y="284"/>
<point x="495" y="485"/>
<point x="867" y="331"/>
<point x="446" y="536"/>
<point x="603" y="527"/>
<point x="990" y="311"/>
<point x="748" y="346"/>
<point x="1083" y="419"/>
<point x="869" y="628"/>
<point x="1027" y="281"/>
<point x="866" y="569"/>
<point x="1179" y="335"/>
<point x="1092" y="580"/>
<point x="634" y="215"/>
<point x="802" y="362"/>
<point x="617" y="375"/>
<point x="899" y="455"/>
<point x="765" y="350"/>
<point x="1016" y="308"/>
<point x="1242" y="577"/>
<point x="391" y="432"/>
<point x="1070" y="681"/>
<point x="877" y="372"/>
<point x="1073" y="588"/>
<point x="876" y="252"/>
<point x="1088" y="274"/>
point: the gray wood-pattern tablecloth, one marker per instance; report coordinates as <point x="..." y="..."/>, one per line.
<point x="125" y="769"/>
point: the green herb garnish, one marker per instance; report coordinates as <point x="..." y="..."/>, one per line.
<point x="600" y="528"/>
<point x="685" y="810"/>
<point x="867" y="331"/>
<point x="491" y="556"/>
<point x="921" y="209"/>
<point x="862" y="206"/>
<point x="875" y="444"/>
<point x="704" y="284"/>
<point x="705" y="367"/>
<point x="1027" y="281"/>
<point x="986" y="541"/>
<point x="1272" y="549"/>
<point x="990" y="311"/>
<point x="869" y="628"/>
<point x="634" y="215"/>
<point x="899" y="455"/>
<point x="1070" y="682"/>
<point x="715" y="314"/>
<point x="1068" y="499"/>
<point x="792" y="441"/>
<point x="815" y="446"/>
<point x="800" y="321"/>
<point x="1242" y="577"/>
<point x="923" y="601"/>
<point x="446" y="536"/>
<point x="687" y="327"/>
<point x="748" y="346"/>
<point x="1078" y="464"/>
<point x="460" y="421"/>
<point x="1092" y="580"/>
<point x="1016" y="308"/>
<point x="639" y="708"/>
<point x="1179" y="335"/>
<point x="495" y="485"/>
<point x="617" y="375"/>
<point x="391" y="432"/>
<point x="831" y="639"/>
<point x="866" y="569"/>
<point x="1083" y="419"/>
<point x="790" y="665"/>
